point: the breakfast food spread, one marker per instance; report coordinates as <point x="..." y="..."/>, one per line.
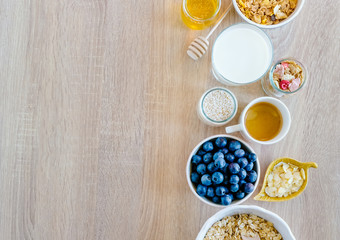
<point x="288" y="76"/>
<point x="284" y="180"/>
<point x="236" y="226"/>
<point x="267" y="12"/>
<point x="223" y="170"/>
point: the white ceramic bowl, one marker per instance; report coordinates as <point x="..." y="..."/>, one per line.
<point x="192" y="186"/>
<point x="284" y="22"/>
<point x="278" y="222"/>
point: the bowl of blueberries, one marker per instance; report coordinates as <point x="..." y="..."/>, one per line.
<point x="223" y="170"/>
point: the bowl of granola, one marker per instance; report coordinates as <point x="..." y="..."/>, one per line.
<point x="285" y="78"/>
<point x="245" y="222"/>
<point x="268" y="13"/>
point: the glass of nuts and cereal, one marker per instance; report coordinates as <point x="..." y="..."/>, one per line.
<point x="217" y="106"/>
<point x="285" y="78"/>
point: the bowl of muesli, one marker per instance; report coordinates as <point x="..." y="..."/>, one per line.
<point x="245" y="222"/>
<point x="268" y="13"/>
<point x="285" y="78"/>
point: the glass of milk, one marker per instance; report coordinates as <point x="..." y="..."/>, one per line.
<point x="241" y="54"/>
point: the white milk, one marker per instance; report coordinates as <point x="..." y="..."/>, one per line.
<point x="241" y="54"/>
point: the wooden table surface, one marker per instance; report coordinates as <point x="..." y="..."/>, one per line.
<point x="97" y="119"/>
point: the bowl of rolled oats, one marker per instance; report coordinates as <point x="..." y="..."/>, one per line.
<point x="268" y="13"/>
<point x="245" y="222"/>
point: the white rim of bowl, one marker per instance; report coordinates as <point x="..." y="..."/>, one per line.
<point x="284" y="22"/>
<point x="206" y="226"/>
<point x="191" y="185"/>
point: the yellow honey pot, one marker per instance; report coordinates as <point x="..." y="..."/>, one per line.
<point x="262" y="196"/>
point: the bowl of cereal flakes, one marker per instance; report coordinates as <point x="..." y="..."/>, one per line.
<point x="268" y="13"/>
<point x="245" y="222"/>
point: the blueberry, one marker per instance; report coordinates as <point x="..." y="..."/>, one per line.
<point x="234" y="179"/>
<point x="230" y="157"/>
<point x="216" y="199"/>
<point x="212" y="167"/>
<point x="201" y="152"/>
<point x="242" y="173"/>
<point x="206" y="180"/>
<point x="210" y="192"/>
<point x="248" y="187"/>
<point x="231" y="196"/>
<point x="239" y="195"/>
<point x="221" y="191"/>
<point x="207" y="158"/>
<point x="241" y="161"/>
<point x="208" y="146"/>
<point x="224" y="151"/>
<point x="234" y="168"/>
<point x="220" y="162"/>
<point x="218" y="155"/>
<point x="196" y="159"/>
<point x="226" y="180"/>
<point x="221" y="142"/>
<point x="201" y="169"/>
<point x="252" y="176"/>
<point x="226" y="200"/>
<point x="249" y="167"/>
<point x="234" y="187"/>
<point x="217" y="177"/>
<point x="252" y="157"/>
<point x="241" y="183"/>
<point x="195" y="178"/>
<point x="234" y="145"/>
<point x="239" y="153"/>
<point x="201" y="190"/>
<point x="225" y="168"/>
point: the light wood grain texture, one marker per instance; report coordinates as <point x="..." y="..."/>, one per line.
<point x="97" y="119"/>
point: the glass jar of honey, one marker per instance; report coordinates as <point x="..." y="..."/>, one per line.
<point x="200" y="14"/>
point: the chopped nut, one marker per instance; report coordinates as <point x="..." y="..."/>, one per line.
<point x="284" y="180"/>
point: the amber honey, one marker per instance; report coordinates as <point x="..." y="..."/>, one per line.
<point x="263" y="121"/>
<point x="199" y="14"/>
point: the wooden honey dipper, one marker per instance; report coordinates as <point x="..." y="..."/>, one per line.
<point x="200" y="45"/>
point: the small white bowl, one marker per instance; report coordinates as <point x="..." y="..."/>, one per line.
<point x="284" y="22"/>
<point x="280" y="225"/>
<point x="192" y="186"/>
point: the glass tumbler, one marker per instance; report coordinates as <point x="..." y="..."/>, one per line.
<point x="271" y="87"/>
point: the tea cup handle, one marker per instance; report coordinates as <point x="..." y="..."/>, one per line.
<point x="234" y="128"/>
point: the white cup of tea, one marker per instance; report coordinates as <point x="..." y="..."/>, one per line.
<point x="264" y="120"/>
